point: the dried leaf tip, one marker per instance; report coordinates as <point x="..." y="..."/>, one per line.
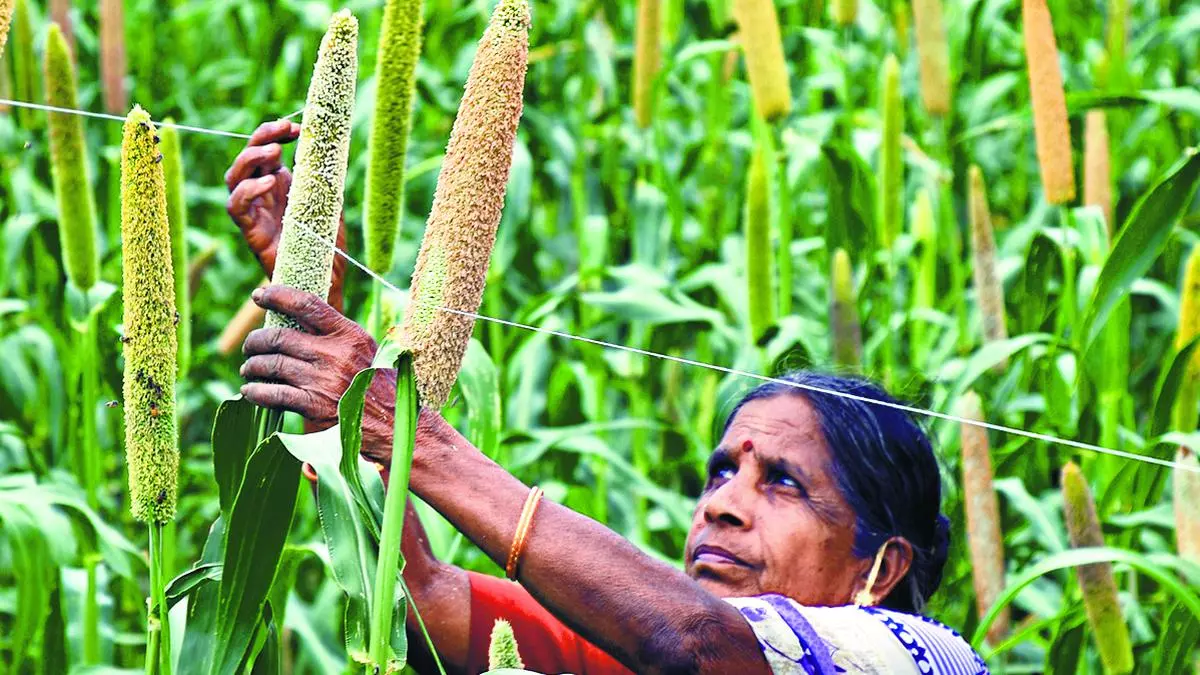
<point x="1052" y="132"/>
<point x="148" y="293"/>
<point x="1096" y="581"/>
<point x="310" y="222"/>
<point x="982" y="509"/>
<point x="502" y="649"/>
<point x="452" y="265"/>
<point x="68" y="164"/>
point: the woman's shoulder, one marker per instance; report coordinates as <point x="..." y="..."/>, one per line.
<point x="799" y="639"/>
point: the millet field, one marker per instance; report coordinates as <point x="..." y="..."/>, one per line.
<point x="985" y="205"/>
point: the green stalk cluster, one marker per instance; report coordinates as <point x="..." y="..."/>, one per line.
<point x="68" y="166"/>
<point x="984" y="538"/>
<point x="1095" y="580"/>
<point x="177" y="217"/>
<point x="843" y="313"/>
<point x="395" y="68"/>
<point x="983" y="249"/>
<point x="760" y="39"/>
<point x="934" y="56"/>
<point x="502" y="649"/>
<point x="310" y="222"/>
<point x="646" y="59"/>
<point x="148" y="288"/>
<point x="924" y="230"/>
<point x="891" y="164"/>
<point x="760" y="268"/>
<point x="1188" y="399"/>
<point x="452" y="264"/>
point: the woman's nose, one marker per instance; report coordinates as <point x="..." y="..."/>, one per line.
<point x="728" y="503"/>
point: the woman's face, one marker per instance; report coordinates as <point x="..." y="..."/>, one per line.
<point x="771" y="519"/>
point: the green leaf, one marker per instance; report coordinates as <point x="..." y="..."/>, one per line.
<point x="350" y="462"/>
<point x="1178" y="636"/>
<point x="187" y="582"/>
<point x="234" y="436"/>
<point x="1087" y="556"/>
<point x="850" y="214"/>
<point x="1168" y="388"/>
<point x="258" y="528"/>
<point x="478" y="381"/>
<point x="1140" y="241"/>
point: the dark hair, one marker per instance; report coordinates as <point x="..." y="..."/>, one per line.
<point x="884" y="466"/>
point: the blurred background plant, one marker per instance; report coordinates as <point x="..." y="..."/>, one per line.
<point x="633" y="192"/>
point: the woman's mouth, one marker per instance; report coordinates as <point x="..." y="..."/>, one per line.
<point x="715" y="555"/>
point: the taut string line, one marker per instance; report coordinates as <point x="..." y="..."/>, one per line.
<point x="1034" y="435"/>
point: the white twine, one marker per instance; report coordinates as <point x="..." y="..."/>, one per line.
<point x="1034" y="435"/>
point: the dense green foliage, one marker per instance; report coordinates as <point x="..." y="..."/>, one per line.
<point x="636" y="236"/>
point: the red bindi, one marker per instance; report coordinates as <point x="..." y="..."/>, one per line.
<point x="747" y="446"/>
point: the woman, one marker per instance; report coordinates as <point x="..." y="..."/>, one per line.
<point x="816" y="539"/>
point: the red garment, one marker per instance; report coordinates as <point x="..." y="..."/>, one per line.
<point x="546" y="645"/>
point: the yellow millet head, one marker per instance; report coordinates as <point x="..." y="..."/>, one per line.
<point x="68" y="166"/>
<point x="1097" y="176"/>
<point x="1095" y="581"/>
<point x="502" y="649"/>
<point x="6" y="12"/>
<point x="452" y="264"/>
<point x="310" y="222"/>
<point x="1187" y="505"/>
<point x="843" y="310"/>
<point x="647" y="54"/>
<point x="148" y="293"/>
<point x="1189" y="327"/>
<point x="934" y="56"/>
<point x="759" y="36"/>
<point x="982" y="509"/>
<point x="1050" y="127"/>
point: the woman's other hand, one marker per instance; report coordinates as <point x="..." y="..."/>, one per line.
<point x="306" y="372"/>
<point x="258" y="188"/>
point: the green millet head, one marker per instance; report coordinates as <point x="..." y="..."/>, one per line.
<point x="177" y="217"/>
<point x="148" y="293"/>
<point x="399" y="51"/>
<point x="457" y="246"/>
<point x="891" y="164"/>
<point x="6" y="12"/>
<point x="843" y="312"/>
<point x="760" y="269"/>
<point x="310" y="222"/>
<point x="502" y="649"/>
<point x="1189" y="328"/>
<point x="1095" y="581"/>
<point x="68" y="165"/>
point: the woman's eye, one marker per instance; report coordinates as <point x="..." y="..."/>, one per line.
<point x="721" y="471"/>
<point x="782" y="478"/>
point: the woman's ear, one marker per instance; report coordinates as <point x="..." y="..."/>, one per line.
<point x="896" y="558"/>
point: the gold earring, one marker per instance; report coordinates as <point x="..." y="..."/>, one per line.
<point x="864" y="597"/>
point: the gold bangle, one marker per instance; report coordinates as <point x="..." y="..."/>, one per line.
<point x="523" y="527"/>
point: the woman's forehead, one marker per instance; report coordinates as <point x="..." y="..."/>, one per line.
<point x="785" y="424"/>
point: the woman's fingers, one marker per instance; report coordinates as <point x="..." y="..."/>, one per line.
<point x="252" y="161"/>
<point x="279" y="131"/>
<point x="244" y="195"/>
<point x="312" y="313"/>
<point x="284" y="397"/>
<point x="284" y="341"/>
<point x="278" y="368"/>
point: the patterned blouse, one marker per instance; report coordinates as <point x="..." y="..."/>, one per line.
<point x="800" y="640"/>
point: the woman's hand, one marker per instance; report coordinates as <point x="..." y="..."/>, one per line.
<point x="307" y="372"/>
<point x="258" y="188"/>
